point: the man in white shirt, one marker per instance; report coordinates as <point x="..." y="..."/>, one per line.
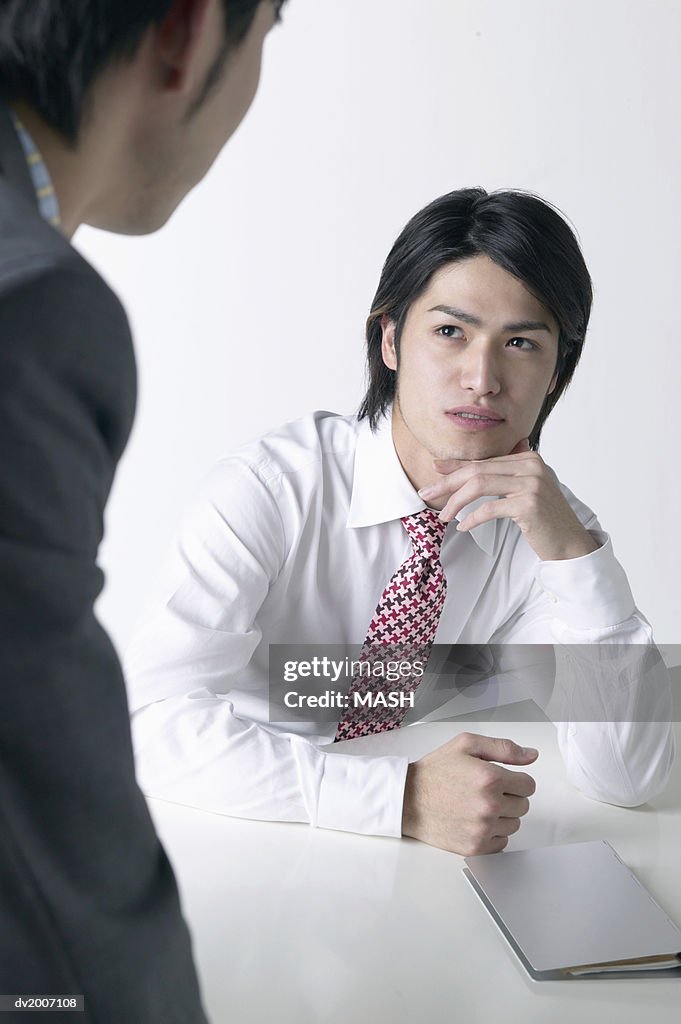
<point x="475" y="331"/>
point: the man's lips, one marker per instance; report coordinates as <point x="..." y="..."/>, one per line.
<point x="474" y="418"/>
<point x="473" y="413"/>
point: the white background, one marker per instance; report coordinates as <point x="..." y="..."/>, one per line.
<point x="248" y="308"/>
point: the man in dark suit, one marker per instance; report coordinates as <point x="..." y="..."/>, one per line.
<point x="109" y="114"/>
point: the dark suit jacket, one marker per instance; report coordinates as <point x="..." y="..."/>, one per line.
<point x="88" y="902"/>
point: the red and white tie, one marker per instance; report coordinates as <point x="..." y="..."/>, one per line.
<point x="403" y="626"/>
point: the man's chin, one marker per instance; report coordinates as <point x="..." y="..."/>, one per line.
<point x="471" y="452"/>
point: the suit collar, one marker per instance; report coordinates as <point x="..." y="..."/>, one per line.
<point x="13" y="164"/>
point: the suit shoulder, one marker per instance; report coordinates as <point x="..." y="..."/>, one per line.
<point x="36" y="260"/>
<point x="62" y="315"/>
<point x="65" y="344"/>
<point x="65" y="281"/>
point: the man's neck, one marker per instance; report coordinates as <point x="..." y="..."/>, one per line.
<point x="416" y="462"/>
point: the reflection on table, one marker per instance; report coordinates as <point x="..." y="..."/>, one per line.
<point x="297" y="924"/>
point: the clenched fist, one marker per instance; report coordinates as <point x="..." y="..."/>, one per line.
<point x="457" y="799"/>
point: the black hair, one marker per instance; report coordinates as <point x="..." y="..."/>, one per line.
<point x="522" y="234"/>
<point x="51" y="51"/>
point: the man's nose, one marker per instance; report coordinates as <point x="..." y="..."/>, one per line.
<point x="479" y="372"/>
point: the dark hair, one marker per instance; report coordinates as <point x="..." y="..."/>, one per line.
<point x="51" y="51"/>
<point x="522" y="234"/>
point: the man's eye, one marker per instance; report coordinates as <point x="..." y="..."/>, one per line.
<point x="447" y="331"/>
<point x="524" y="344"/>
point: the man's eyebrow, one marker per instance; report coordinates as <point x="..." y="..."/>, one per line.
<point x="528" y="325"/>
<point x="458" y="314"/>
<point x="475" y="321"/>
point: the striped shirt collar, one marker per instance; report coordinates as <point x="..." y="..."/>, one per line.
<point x="40" y="176"/>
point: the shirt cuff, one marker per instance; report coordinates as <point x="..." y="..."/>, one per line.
<point x="362" y="794"/>
<point x="590" y="592"/>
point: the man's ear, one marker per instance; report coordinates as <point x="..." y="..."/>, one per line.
<point x="178" y="39"/>
<point x="388" y="350"/>
<point x="552" y="385"/>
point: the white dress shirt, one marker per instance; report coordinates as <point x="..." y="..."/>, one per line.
<point x="292" y="540"/>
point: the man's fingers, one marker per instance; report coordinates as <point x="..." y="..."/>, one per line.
<point x="514" y="806"/>
<point x="488" y="483"/>
<point x="448" y="466"/>
<point x="456" y="798"/>
<point x="504" y="487"/>
<point x="495" y="508"/>
<point x="506" y="827"/>
<point x="490" y="748"/>
<point x="517" y="783"/>
<point x="492" y="476"/>
<point x="496" y="845"/>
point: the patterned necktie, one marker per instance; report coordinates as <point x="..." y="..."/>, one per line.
<point x="403" y="627"/>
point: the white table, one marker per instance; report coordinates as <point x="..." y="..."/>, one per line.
<point x="308" y="926"/>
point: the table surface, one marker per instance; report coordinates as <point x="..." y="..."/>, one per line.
<point x="311" y="926"/>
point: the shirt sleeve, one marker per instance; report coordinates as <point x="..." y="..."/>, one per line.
<point x="190" y="653"/>
<point x="612" y="695"/>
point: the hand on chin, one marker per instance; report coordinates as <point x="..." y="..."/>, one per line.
<point x="443" y="464"/>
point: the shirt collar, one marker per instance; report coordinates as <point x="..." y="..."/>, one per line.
<point x="40" y="176"/>
<point x="382" y="492"/>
